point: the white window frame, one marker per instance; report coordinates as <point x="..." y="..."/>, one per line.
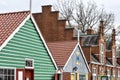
<point x="118" y="74"/>
<point x="114" y="73"/>
<point x="108" y="74"/>
<point x="94" y="74"/>
<point x="102" y="53"/>
<point x="10" y="68"/>
<point x="32" y="63"/>
<point x="113" y="51"/>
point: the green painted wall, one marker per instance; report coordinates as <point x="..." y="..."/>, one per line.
<point x="27" y="44"/>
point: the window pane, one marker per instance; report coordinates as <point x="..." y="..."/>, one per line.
<point x="8" y="77"/>
<point x="12" y="78"/>
<point x="1" y="77"/>
<point x="12" y="71"/>
<point x="9" y="71"/>
<point x="82" y="77"/>
<point x="1" y="71"/>
<point x="5" y="71"/>
<point x="5" y="77"/>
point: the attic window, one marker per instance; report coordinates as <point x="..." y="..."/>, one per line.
<point x="29" y="63"/>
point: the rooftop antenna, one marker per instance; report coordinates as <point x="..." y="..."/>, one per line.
<point x="30" y="6"/>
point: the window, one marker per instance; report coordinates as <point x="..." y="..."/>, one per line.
<point x="29" y="63"/>
<point x="102" y="58"/>
<point x="102" y="53"/>
<point x="59" y="77"/>
<point x="94" y="74"/>
<point x="82" y="77"/>
<point x="113" y="73"/>
<point x="7" y="74"/>
<point x="94" y="78"/>
<point x="101" y="48"/>
<point x="118" y="74"/>
<point x="113" y="56"/>
<point x="94" y="70"/>
<point x="108" y="74"/>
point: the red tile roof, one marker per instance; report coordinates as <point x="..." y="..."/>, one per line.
<point x="61" y="51"/>
<point x="9" y="22"/>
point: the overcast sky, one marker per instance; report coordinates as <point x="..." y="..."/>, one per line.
<point x="20" y="5"/>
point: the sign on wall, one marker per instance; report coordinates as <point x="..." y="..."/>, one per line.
<point x="104" y="77"/>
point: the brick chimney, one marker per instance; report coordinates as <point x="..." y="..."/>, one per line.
<point x="113" y="38"/>
<point x="113" y="47"/>
<point x="46" y="8"/>
<point x="90" y="31"/>
<point x="101" y="29"/>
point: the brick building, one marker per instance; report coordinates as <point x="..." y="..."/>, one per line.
<point x="100" y="54"/>
<point x="68" y="55"/>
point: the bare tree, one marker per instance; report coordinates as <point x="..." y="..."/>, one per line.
<point x="66" y="8"/>
<point x="108" y="21"/>
<point x="84" y="16"/>
<point x="87" y="17"/>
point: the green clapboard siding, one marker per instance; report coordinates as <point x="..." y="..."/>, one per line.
<point x="27" y="44"/>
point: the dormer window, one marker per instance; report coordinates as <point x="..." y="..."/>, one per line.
<point x="102" y="53"/>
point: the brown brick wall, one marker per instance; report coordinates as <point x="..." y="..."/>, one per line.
<point x="66" y="76"/>
<point x="61" y="30"/>
<point x="69" y="34"/>
<point x="49" y="24"/>
<point x="87" y="52"/>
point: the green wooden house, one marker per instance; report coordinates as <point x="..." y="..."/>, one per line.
<point x="23" y="51"/>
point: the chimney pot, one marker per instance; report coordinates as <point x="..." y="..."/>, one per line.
<point x="90" y="31"/>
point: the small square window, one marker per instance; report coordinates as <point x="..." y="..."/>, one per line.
<point x="29" y="63"/>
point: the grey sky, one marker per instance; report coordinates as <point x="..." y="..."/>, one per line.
<point x="20" y="5"/>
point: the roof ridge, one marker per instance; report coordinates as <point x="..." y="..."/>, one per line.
<point x="14" y="12"/>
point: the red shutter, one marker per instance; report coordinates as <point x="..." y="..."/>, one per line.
<point x="17" y="70"/>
